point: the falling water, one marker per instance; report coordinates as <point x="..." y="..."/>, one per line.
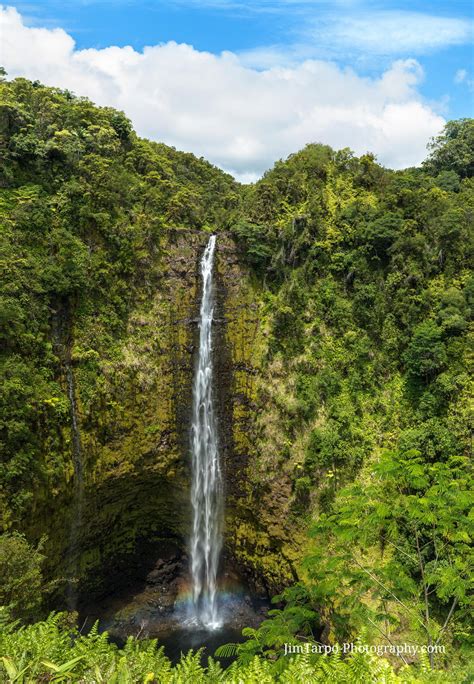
<point x="61" y="326"/>
<point x="77" y="505"/>
<point x="206" y="489"/>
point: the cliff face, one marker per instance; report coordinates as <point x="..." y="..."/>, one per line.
<point x="259" y="538"/>
<point x="133" y="406"/>
<point x="133" y="401"/>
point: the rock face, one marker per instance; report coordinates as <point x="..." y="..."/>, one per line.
<point x="133" y="402"/>
<point x="134" y="425"/>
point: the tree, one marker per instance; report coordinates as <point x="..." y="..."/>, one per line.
<point x="21" y="583"/>
<point x="426" y="353"/>
<point x="397" y="549"/>
<point x="453" y="150"/>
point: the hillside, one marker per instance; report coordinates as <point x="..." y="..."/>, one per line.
<point x="343" y="346"/>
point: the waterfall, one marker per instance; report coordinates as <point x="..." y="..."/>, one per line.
<point x="206" y="487"/>
<point x="61" y="328"/>
<point x="73" y="551"/>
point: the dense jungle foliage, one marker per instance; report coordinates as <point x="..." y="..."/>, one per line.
<point x="370" y="297"/>
<point x="366" y="280"/>
<point x="84" y="206"/>
<point x="54" y="651"/>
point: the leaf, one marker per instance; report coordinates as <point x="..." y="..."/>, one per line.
<point x="65" y="667"/>
<point x="11" y="668"/>
<point x="227" y="650"/>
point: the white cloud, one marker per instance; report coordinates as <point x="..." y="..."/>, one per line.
<point x="392" y="32"/>
<point x="365" y="36"/>
<point x="240" y="118"/>
<point x="462" y="77"/>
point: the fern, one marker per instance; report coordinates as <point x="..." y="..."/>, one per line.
<point x="45" y="651"/>
<point x="214" y="674"/>
<point x="301" y="670"/>
<point x="227" y="650"/>
<point x="189" y="669"/>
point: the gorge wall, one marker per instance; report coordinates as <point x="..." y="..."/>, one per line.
<point x="134" y="426"/>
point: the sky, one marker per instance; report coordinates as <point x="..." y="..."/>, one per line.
<point x="244" y="83"/>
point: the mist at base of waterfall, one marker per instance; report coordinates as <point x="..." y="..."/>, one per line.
<point x="139" y="612"/>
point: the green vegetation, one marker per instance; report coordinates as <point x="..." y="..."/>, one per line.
<point x="85" y="208"/>
<point x="369" y="313"/>
<point x="95" y="225"/>
<point x="22" y="587"/>
<point x="356" y="433"/>
<point x="54" y="651"/>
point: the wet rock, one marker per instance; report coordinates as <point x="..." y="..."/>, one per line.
<point x="164" y="572"/>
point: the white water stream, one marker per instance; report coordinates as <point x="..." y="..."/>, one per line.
<point x="206" y="488"/>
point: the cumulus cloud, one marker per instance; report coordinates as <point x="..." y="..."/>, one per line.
<point x="238" y="117"/>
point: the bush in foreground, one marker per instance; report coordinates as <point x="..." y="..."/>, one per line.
<point x="54" y="651"/>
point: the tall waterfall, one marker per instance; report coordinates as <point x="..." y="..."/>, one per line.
<point x="78" y="501"/>
<point x="206" y="489"/>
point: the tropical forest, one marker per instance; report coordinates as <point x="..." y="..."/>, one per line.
<point x="236" y="419"/>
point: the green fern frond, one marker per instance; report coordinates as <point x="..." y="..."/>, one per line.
<point x="227" y="650"/>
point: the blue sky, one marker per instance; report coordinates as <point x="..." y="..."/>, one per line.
<point x="217" y="25"/>
<point x="364" y="36"/>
